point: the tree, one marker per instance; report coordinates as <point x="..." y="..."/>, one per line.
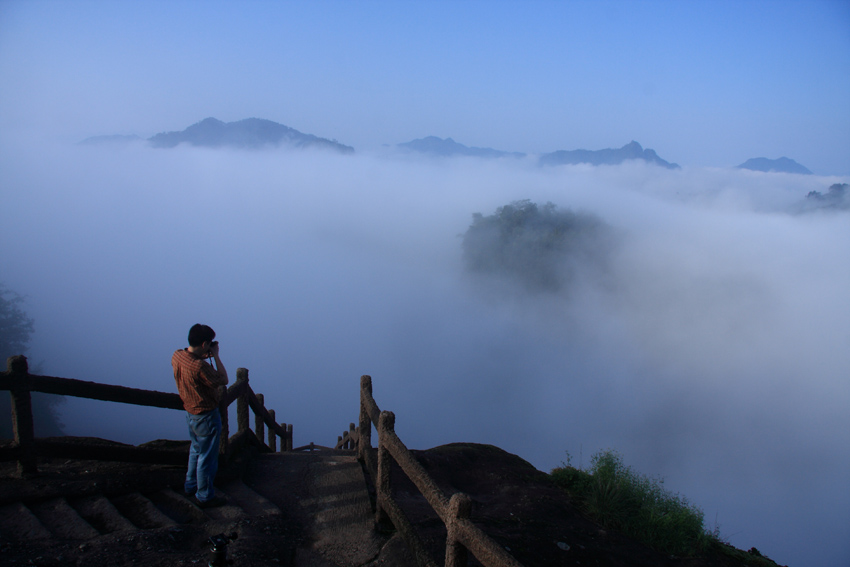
<point x="540" y="247"/>
<point x="15" y="326"/>
<point x="16" y="329"/>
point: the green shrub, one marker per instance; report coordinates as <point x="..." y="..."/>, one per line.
<point x="639" y="506"/>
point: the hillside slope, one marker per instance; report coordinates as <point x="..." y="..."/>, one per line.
<point x="523" y="510"/>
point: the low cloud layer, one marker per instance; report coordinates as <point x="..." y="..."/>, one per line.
<point x="712" y="351"/>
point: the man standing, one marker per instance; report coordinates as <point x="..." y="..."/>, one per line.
<point x="198" y="382"/>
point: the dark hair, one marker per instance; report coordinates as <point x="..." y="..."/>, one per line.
<point x="199" y="334"/>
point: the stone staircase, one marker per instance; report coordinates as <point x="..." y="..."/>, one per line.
<point x="86" y="518"/>
<point x="327" y="495"/>
<point x="300" y="509"/>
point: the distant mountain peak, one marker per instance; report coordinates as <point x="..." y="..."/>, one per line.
<point x="836" y="198"/>
<point x="249" y="133"/>
<point x="446" y="147"/>
<point x="114" y="139"/>
<point x="609" y="156"/>
<point x="781" y="165"/>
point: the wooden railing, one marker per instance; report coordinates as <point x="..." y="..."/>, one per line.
<point x="246" y="399"/>
<point x="454" y="511"/>
<point x="348" y="439"/>
<point x="25" y="448"/>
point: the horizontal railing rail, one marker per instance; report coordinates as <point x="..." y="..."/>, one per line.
<point x="25" y="448"/>
<point x="91" y="390"/>
<point x="462" y="535"/>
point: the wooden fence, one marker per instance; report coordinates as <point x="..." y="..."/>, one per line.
<point x="454" y="511"/>
<point x="462" y="535"/>
<point x="26" y="449"/>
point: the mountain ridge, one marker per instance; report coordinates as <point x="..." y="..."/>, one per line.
<point x="249" y="133"/>
<point x="781" y="165"/>
<point x="448" y="147"/>
<point x="256" y="133"/>
<point x="111" y="139"/>
<point x="609" y="156"/>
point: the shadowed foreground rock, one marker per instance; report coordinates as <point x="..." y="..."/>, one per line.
<point x="298" y="509"/>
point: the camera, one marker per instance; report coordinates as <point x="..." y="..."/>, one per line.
<point x="218" y="552"/>
<point x="212" y="348"/>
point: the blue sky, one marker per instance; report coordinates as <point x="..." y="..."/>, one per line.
<point x="702" y="83"/>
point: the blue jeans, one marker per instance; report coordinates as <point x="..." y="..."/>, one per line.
<point x="205" y="432"/>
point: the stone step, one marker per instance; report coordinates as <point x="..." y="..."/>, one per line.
<point x="88" y="517"/>
<point x="250" y="501"/>
<point x="178" y="507"/>
<point x="227" y="513"/>
<point x="102" y="515"/>
<point x="62" y="520"/>
<point x="141" y="511"/>
<point x="328" y="493"/>
<point x="18" y="523"/>
<point x="343" y="522"/>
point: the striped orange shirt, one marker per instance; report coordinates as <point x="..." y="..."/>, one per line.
<point x="197" y="382"/>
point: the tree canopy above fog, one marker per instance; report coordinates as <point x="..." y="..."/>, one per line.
<point x="542" y="247"/>
<point x="16" y="328"/>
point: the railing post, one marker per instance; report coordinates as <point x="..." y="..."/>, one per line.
<point x="272" y="438"/>
<point x="383" y="487"/>
<point x="289" y="437"/>
<point x="460" y="506"/>
<point x="259" y="424"/>
<point x="225" y="421"/>
<point x="242" y="402"/>
<point x="364" y="442"/>
<point x="350" y="444"/>
<point x="22" y="424"/>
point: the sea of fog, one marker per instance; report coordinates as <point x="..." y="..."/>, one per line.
<point x="714" y="352"/>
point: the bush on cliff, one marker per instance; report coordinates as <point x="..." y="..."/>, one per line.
<point x="639" y="506"/>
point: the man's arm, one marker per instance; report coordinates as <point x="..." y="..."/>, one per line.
<point x="222" y="371"/>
